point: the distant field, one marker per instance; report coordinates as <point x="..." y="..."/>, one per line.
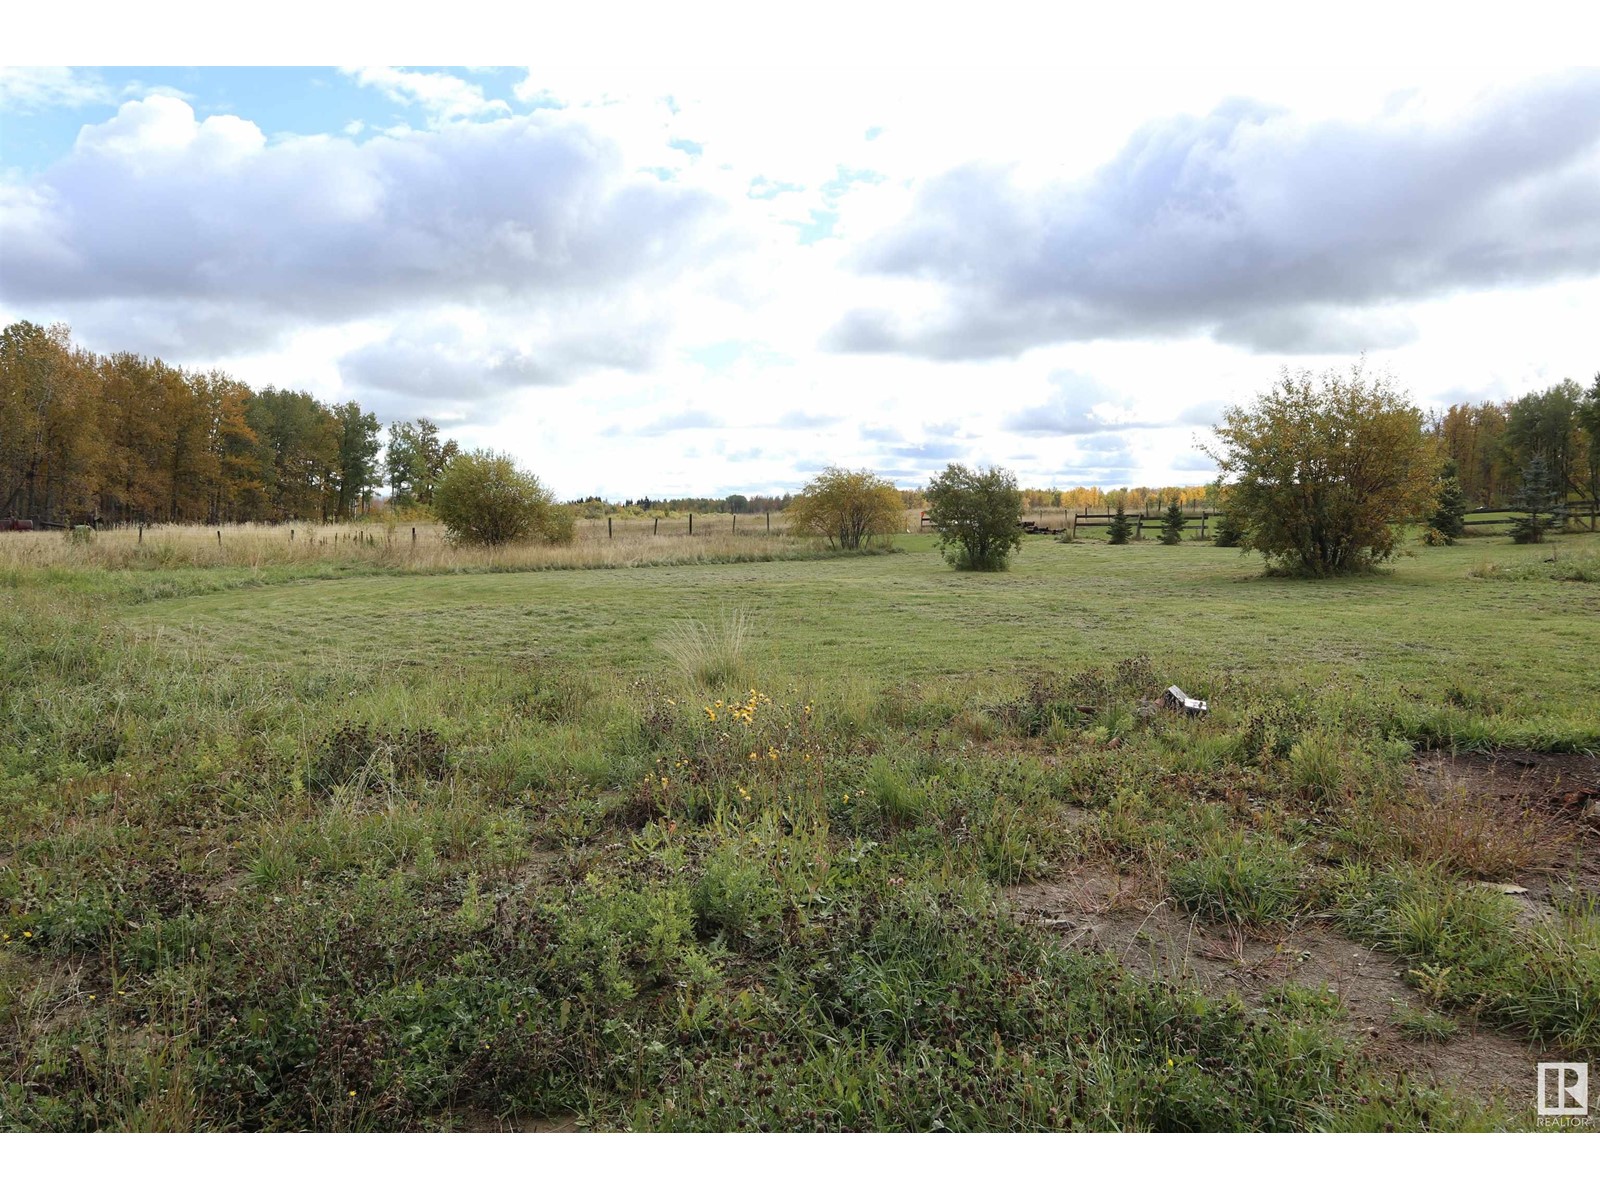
<point x="403" y="546"/>
<point x="349" y="843"/>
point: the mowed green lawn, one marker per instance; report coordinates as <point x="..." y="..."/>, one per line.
<point x="1196" y="610"/>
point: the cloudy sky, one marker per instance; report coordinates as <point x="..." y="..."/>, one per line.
<point x="664" y="280"/>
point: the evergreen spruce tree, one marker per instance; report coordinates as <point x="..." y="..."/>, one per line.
<point x="1538" y="495"/>
<point x="1449" y="520"/>
<point x="1172" y="525"/>
<point x="1121" y="527"/>
<point x="1228" y="533"/>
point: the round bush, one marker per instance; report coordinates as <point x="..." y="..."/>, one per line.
<point x="484" y="500"/>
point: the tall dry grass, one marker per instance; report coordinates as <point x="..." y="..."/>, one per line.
<point x="715" y="651"/>
<point x="167" y="547"/>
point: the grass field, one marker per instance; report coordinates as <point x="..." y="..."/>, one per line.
<point x="353" y="844"/>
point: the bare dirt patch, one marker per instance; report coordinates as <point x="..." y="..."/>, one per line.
<point x="1096" y="908"/>
<point x="1516" y="816"/>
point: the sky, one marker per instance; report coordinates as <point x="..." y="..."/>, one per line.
<point x="665" y="277"/>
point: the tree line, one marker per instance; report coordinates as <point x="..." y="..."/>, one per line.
<point x="1494" y="444"/>
<point x="121" y="437"/>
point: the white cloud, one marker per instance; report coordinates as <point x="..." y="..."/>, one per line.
<point x="535" y="216"/>
<point x="31" y="89"/>
<point x="1252" y="223"/>
<point x="441" y="96"/>
<point x="592" y="283"/>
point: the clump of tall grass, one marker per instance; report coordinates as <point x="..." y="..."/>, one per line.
<point x="1571" y="568"/>
<point x="714" y="652"/>
<point x="1471" y="951"/>
<point x="1256" y="882"/>
<point x="1317" y="765"/>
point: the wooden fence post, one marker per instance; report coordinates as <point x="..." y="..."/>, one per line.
<point x="735" y="522"/>
<point x="691" y="524"/>
<point x="655" y="530"/>
<point x="413" y="535"/>
<point x="769" y="522"/>
<point x="608" y="526"/>
<point x="219" y="539"/>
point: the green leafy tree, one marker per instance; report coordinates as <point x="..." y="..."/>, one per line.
<point x="1121" y="527"/>
<point x="415" y="461"/>
<point x="400" y="463"/>
<point x="432" y="457"/>
<point x="1322" y="471"/>
<point x="1589" y="423"/>
<point x="1550" y="423"/>
<point x="849" y="508"/>
<point x="298" y="443"/>
<point x="357" y="471"/>
<point x="1539" y="499"/>
<point x="978" y="515"/>
<point x="484" y="500"/>
<point x="1172" y="525"/>
<point x="1449" y="519"/>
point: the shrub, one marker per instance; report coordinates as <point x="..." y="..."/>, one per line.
<point x="979" y="516"/>
<point x="849" y="508"/>
<point x="484" y="500"/>
<point x="1321" y="472"/>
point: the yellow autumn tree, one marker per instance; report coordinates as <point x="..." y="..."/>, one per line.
<point x="1321" y="471"/>
<point x="851" y="509"/>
